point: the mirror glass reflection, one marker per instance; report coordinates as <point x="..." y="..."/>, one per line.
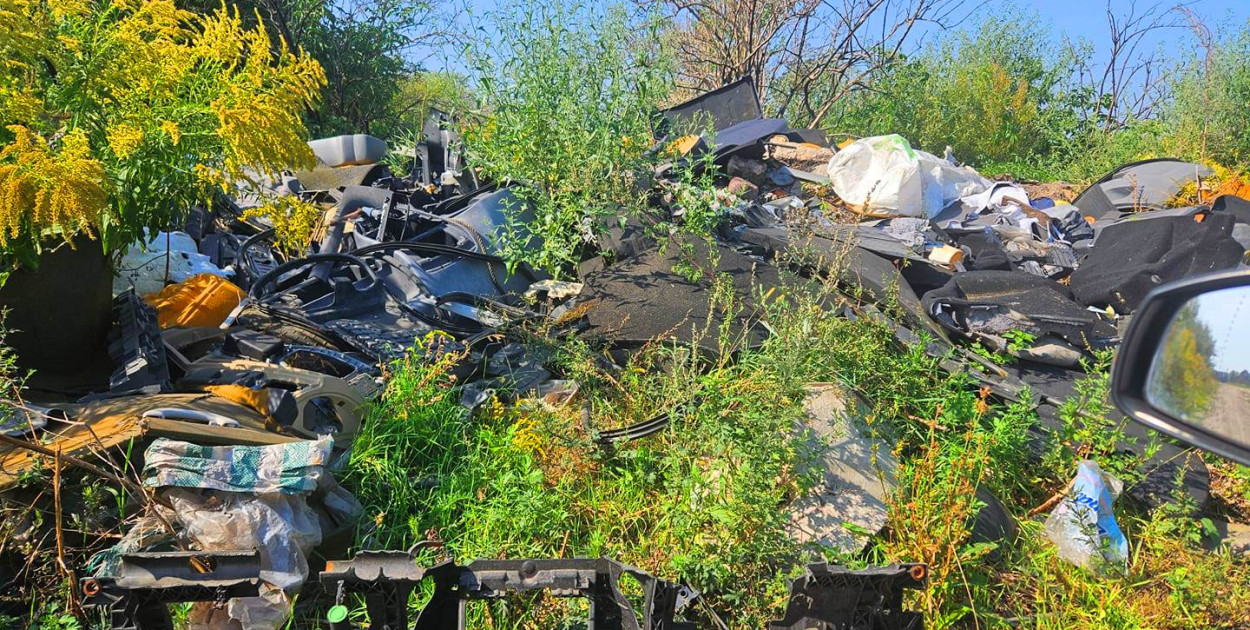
<point x="1201" y="370"/>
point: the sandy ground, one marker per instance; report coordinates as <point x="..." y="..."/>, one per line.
<point x="1230" y="413"/>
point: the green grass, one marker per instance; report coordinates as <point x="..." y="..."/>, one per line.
<point x="704" y="502"/>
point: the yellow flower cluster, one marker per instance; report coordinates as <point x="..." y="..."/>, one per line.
<point x="62" y="9"/>
<point x="23" y="30"/>
<point x="259" y="112"/>
<point x="227" y="97"/>
<point x="63" y="192"/>
<point x="172" y="130"/>
<point x="294" y="222"/>
<point x="124" y="139"/>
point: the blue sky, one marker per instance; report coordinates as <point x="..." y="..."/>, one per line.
<point x="1227" y="313"/>
<point x="1075" y="19"/>
<point x="1088" y="18"/>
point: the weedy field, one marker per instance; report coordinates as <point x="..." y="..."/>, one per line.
<point x="560" y="100"/>
<point x="705" y="502"/>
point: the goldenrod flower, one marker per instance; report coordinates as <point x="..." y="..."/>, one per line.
<point x="124" y="139"/>
<point x="294" y="221"/>
<point x="43" y="191"/>
<point x="62" y="9"/>
<point x="171" y="129"/>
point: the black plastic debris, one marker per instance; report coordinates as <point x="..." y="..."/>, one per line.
<point x="837" y="598"/>
<point x="1134" y="256"/>
<point x="138" y="595"/>
<point x="648" y="298"/>
<point x="386" y="578"/>
<point x="1138" y="187"/>
<point x="992" y="304"/>
<point x="136" y="347"/>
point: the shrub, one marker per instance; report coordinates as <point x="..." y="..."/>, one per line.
<point x="990" y="94"/>
<point x="1207" y="118"/>
<point x="121" y="115"/>
<point x="566" y="109"/>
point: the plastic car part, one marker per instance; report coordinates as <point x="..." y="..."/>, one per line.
<point x="642" y="429"/>
<point x="386" y="578"/>
<point x="838" y="598"/>
<point x="192" y="415"/>
<point x="325" y="361"/>
<point x="136" y="346"/>
<point x="308" y="266"/>
<point x="256" y="255"/>
<point x="138" y="596"/>
<point x="308" y="404"/>
<point x="252" y="345"/>
<point x="353" y="198"/>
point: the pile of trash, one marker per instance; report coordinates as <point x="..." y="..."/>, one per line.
<point x="237" y="372"/>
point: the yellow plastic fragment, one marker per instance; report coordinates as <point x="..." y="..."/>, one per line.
<point x="199" y="301"/>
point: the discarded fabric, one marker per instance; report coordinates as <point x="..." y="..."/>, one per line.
<point x="283" y="468"/>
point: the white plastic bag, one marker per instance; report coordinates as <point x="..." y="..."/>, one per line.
<point x="1083" y="525"/>
<point x="143" y="266"/>
<point x="885" y="175"/>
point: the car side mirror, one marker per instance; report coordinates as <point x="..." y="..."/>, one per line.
<point x="1184" y="366"/>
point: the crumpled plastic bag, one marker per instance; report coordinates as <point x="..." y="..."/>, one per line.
<point x="229" y="498"/>
<point x="1083" y="525"/>
<point x="885" y="175"/>
<point x="281" y="527"/>
<point x="143" y="266"/>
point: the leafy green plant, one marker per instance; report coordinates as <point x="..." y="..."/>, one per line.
<point x="1018" y="340"/>
<point x="566" y="110"/>
<point x="988" y="92"/>
<point x="122" y="115"/>
<point x="1206" y="119"/>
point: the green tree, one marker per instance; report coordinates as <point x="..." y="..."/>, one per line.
<point x="991" y="93"/>
<point x="1183" y="380"/>
<point x="1207" y="118"/>
<point x="416" y="95"/>
<point x="364" y="47"/>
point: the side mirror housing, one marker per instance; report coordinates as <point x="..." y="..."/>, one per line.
<point x="1184" y="366"/>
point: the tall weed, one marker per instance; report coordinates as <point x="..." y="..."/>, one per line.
<point x="1207" y="119"/>
<point x="566" y="96"/>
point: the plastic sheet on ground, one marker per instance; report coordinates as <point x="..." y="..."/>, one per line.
<point x="265" y="508"/>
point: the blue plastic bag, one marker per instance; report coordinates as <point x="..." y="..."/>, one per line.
<point x="1083" y="525"/>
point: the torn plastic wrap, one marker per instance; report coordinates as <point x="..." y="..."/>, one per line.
<point x="249" y="497"/>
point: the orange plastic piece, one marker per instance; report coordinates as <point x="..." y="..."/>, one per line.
<point x="199" y="301"/>
<point x="256" y="399"/>
<point x="683" y="145"/>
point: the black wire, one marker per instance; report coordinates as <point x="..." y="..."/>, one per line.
<point x="248" y="266"/>
<point x="428" y="248"/>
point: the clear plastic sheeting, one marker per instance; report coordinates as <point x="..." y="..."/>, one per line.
<point x="282" y="528"/>
<point x="231" y="498"/>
